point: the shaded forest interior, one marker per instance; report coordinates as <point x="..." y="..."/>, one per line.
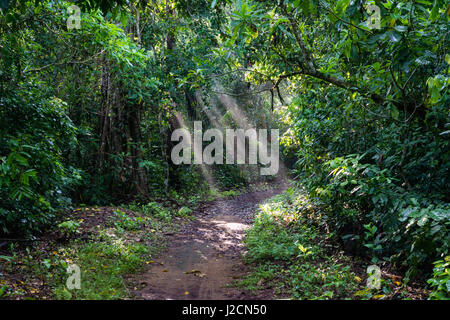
<point x="90" y="96"/>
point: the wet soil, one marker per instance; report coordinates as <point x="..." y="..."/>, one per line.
<point x="205" y="257"/>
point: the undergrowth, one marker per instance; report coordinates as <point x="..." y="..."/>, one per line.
<point x="295" y="253"/>
<point x="290" y="254"/>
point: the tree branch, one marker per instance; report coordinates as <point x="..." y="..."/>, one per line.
<point x="309" y="67"/>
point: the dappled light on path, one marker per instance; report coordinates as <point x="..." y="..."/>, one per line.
<point x="205" y="257"/>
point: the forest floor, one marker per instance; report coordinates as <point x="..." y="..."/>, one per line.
<point x="250" y="244"/>
<point x="141" y="251"/>
<point x="205" y="256"/>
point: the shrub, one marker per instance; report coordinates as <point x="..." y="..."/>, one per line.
<point x="34" y="181"/>
<point x="440" y="282"/>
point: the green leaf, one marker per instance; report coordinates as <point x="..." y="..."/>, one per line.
<point x="401" y="28"/>
<point x="394" y="36"/>
<point x="7" y="258"/>
<point x="341" y="6"/>
<point x="395" y="113"/>
<point x="435" y="11"/>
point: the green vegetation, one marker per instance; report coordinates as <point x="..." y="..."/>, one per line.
<point x="87" y="114"/>
<point x="367" y="123"/>
<point x="124" y="244"/>
<point x="107" y="263"/>
<point x="294" y="253"/>
<point x="291" y="253"/>
<point x="440" y="281"/>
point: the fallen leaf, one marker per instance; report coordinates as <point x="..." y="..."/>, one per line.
<point x="192" y="271"/>
<point x="200" y="275"/>
<point x="362" y="292"/>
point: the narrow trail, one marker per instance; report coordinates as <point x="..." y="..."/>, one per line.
<point x="205" y="256"/>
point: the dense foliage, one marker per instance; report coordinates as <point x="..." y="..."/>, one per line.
<point x="368" y="122"/>
<point x="86" y="114"/>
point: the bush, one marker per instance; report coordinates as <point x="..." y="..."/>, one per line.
<point x="288" y="252"/>
<point x="124" y="221"/>
<point x="362" y="169"/>
<point x="69" y="227"/>
<point x="441" y="280"/>
<point x="184" y="211"/>
<point x="34" y="181"/>
<point x="409" y="232"/>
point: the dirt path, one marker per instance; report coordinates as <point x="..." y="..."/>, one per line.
<point x="206" y="256"/>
